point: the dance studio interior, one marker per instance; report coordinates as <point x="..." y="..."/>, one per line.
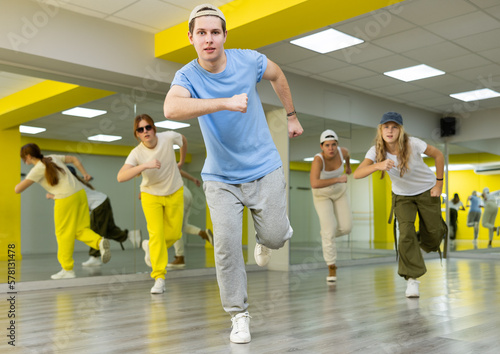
<point x="119" y="57"/>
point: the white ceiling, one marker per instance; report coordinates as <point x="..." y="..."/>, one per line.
<point x="460" y="37"/>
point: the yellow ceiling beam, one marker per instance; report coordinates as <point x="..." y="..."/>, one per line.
<point x="255" y="23"/>
<point x="42" y="99"/>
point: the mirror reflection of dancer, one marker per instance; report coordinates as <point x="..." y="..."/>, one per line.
<point x="71" y="211"/>
<point x="329" y="189"/>
<point x="455" y="205"/>
<point x="243" y="166"/>
<point x="102" y="221"/>
<point x="161" y="191"/>
<point x="474" y="215"/>
<point x="490" y="214"/>
<point x="415" y="190"/>
<point x="187" y="228"/>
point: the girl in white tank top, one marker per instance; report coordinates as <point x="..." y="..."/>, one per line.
<point x="329" y="188"/>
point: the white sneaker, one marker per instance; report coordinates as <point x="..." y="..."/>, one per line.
<point x="64" y="274"/>
<point x="159" y="287"/>
<point x="135" y="238"/>
<point x="262" y="254"/>
<point x="241" y="328"/>
<point x="92" y="262"/>
<point x="105" y="252"/>
<point x="145" y="247"/>
<point x="412" y="288"/>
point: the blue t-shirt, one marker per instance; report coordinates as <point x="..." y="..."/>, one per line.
<point x="475" y="204"/>
<point x="239" y="146"/>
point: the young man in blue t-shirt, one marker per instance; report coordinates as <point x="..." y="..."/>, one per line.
<point x="243" y="167"/>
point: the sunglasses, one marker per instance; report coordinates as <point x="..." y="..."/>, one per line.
<point x="141" y="129"/>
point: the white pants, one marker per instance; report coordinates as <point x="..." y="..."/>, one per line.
<point x="186" y="228"/>
<point x="489" y="216"/>
<point x="335" y="217"/>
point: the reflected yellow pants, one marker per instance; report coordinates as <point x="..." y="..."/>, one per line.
<point x="164" y="218"/>
<point x="72" y="222"/>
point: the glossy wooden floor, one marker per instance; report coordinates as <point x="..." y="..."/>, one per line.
<point x="366" y="312"/>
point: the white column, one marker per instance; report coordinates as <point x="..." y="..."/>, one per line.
<point x="276" y="119"/>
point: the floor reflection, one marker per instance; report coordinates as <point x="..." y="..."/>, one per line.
<point x="130" y="261"/>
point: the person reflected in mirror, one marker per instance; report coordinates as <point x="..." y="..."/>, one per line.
<point x="71" y="210"/>
<point x="243" y="166"/>
<point x="415" y="190"/>
<point x="455" y="205"/>
<point x="328" y="179"/>
<point x="188" y="229"/>
<point x="490" y="214"/>
<point x="474" y="215"/>
<point x="102" y="221"/>
<point x="161" y="191"/>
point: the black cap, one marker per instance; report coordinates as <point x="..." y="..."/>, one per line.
<point x="392" y="117"/>
<point x="71" y="169"/>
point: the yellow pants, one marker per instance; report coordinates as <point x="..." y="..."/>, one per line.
<point x="164" y="218"/>
<point x="72" y="221"/>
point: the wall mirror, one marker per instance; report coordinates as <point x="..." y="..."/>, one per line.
<point x="67" y="135"/>
<point x="306" y="243"/>
<point x="473" y="166"/>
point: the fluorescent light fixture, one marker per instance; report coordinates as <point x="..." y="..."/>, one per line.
<point x="176" y="147"/>
<point x="456" y="167"/>
<point x="30" y="130"/>
<point x="413" y="73"/>
<point x="309" y="159"/>
<point x="475" y="95"/>
<point x="327" y="41"/>
<point x="84" y="112"/>
<point x="168" y="124"/>
<point x="104" y="138"/>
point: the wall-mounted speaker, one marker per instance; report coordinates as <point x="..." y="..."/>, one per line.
<point x="448" y="126"/>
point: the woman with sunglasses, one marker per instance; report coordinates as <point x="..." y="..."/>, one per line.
<point x="161" y="191"/>
<point x="71" y="210"/>
<point x="329" y="188"/>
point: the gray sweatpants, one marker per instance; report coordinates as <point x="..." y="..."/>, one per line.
<point x="266" y="200"/>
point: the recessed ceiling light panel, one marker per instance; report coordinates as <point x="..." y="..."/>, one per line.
<point x="413" y="73"/>
<point x="30" y="130"/>
<point x="104" y="138"/>
<point x="327" y="41"/>
<point x="475" y="95"/>
<point x="84" y="112"/>
<point x="168" y="124"/>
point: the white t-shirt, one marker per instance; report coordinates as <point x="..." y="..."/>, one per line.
<point x="167" y="179"/>
<point x="67" y="185"/>
<point x="456" y="206"/>
<point x="94" y="198"/>
<point x="417" y="179"/>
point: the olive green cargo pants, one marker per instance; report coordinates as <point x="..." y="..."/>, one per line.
<point x="432" y="228"/>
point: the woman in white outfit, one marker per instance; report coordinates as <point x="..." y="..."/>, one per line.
<point x="329" y="188"/>
<point x="490" y="214"/>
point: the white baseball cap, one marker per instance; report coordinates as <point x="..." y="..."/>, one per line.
<point x="209" y="10"/>
<point x="328" y="135"/>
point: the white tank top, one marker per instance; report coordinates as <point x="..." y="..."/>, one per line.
<point x="334" y="173"/>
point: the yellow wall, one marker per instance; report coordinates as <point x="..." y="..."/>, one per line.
<point x="10" y="205"/>
<point x="463" y="183"/>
